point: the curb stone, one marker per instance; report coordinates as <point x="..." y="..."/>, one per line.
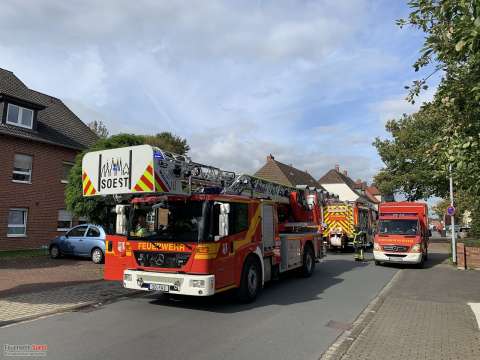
<point x="346" y="338"/>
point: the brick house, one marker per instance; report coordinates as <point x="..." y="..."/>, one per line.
<point x="39" y="139"/>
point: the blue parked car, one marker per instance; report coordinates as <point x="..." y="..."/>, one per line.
<point x="86" y="240"/>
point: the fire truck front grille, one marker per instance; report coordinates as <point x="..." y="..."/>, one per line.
<point x="161" y="259"/>
<point x="395" y="248"/>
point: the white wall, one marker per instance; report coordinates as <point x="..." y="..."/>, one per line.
<point x="342" y="190"/>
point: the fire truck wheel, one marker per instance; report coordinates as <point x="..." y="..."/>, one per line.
<point x="97" y="256"/>
<point x="308" y="266"/>
<point x="54" y="252"/>
<point x="251" y="280"/>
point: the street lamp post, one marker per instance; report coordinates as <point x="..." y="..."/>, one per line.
<point x="452" y="218"/>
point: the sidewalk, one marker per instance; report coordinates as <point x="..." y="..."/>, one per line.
<point x="25" y="306"/>
<point x="23" y="275"/>
<point x="423" y="315"/>
<point x="33" y="287"/>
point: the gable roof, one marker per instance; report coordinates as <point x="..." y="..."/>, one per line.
<point x="56" y="123"/>
<point x="276" y="171"/>
<point x="334" y="176"/>
<point x="372" y="189"/>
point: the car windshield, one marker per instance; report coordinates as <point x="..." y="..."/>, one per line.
<point x="171" y="221"/>
<point x="398" y="227"/>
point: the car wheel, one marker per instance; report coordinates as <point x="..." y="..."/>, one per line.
<point x="97" y="256"/>
<point x="377" y="262"/>
<point x="251" y="280"/>
<point x="54" y="252"/>
<point x="308" y="266"/>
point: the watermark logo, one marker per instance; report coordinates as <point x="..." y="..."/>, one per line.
<point x="25" y="350"/>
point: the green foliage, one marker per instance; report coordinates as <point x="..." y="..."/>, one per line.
<point x="446" y="131"/>
<point x="168" y="141"/>
<point x="97" y="208"/>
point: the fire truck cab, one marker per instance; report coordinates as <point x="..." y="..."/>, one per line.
<point x="191" y="229"/>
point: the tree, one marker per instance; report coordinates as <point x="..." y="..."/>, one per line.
<point x="98" y="209"/>
<point x="445" y="132"/>
<point x="99" y="128"/>
<point x="168" y="141"/>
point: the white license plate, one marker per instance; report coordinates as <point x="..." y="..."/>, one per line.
<point x="395" y="259"/>
<point x="158" y="287"/>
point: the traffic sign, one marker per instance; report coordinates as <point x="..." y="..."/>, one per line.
<point x="451" y="210"/>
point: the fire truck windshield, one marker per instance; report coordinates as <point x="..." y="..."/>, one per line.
<point x="398" y="227"/>
<point x="182" y="221"/>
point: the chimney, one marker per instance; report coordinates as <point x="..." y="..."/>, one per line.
<point x="270" y="157"/>
<point x="345" y="172"/>
<point x="337" y="167"/>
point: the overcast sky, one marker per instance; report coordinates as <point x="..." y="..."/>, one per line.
<point x="311" y="82"/>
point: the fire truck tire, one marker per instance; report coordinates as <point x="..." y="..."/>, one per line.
<point x="54" y="252"/>
<point x="308" y="265"/>
<point x="97" y="256"/>
<point x="251" y="281"/>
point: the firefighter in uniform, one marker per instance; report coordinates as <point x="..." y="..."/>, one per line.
<point x="359" y="244"/>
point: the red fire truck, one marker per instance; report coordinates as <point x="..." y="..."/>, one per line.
<point x="192" y="229"/>
<point x="403" y="233"/>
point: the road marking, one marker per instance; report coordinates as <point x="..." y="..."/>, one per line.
<point x="476" y="310"/>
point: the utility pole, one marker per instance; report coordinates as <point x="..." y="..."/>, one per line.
<point x="452" y="218"/>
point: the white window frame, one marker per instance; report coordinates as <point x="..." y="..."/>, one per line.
<point x="19" y="117"/>
<point x="25" y="219"/>
<point x="71" y="221"/>
<point x="22" y="172"/>
<point x="65" y="181"/>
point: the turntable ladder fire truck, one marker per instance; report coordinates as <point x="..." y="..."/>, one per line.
<point x="192" y="229"/>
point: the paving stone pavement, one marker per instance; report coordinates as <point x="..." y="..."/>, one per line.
<point x="424" y="315"/>
<point x="30" y="305"/>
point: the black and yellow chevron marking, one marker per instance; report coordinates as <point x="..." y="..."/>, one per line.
<point x="339" y="216"/>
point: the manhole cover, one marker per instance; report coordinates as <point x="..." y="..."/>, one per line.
<point x="338" y="325"/>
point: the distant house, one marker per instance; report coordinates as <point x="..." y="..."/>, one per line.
<point x="339" y="183"/>
<point x="39" y="139"/>
<point x="276" y="171"/>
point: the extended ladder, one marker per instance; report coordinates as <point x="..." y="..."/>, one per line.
<point x="200" y="175"/>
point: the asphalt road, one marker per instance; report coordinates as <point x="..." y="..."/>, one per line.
<point x="289" y="321"/>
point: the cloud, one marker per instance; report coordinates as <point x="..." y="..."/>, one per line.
<point x="396" y="106"/>
<point x="238" y="79"/>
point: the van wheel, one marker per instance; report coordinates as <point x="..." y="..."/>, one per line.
<point x="251" y="281"/>
<point x="308" y="266"/>
<point x="97" y="256"/>
<point x="54" y="252"/>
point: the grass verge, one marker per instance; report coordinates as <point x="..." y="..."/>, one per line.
<point x="23" y="253"/>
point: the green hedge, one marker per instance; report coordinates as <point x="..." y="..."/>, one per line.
<point x="471" y="242"/>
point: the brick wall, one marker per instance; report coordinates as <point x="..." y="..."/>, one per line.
<point x="43" y="197"/>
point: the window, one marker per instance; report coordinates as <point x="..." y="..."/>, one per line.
<point x="82" y="220"/>
<point x="22" y="168"/>
<point x="79" y="231"/>
<point x="17" y="222"/>
<point x="93" y="232"/>
<point x="66" y="167"/>
<point x="19" y="116"/>
<point x="64" y="220"/>
<point x="238" y="218"/>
